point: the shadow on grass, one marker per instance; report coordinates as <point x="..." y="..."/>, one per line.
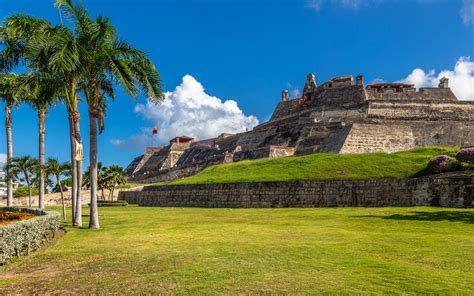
<point x="451" y="216"/>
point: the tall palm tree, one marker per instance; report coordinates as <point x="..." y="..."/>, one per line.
<point x="56" y="170"/>
<point x="56" y="50"/>
<point x="107" y="60"/>
<point x="41" y="91"/>
<point x="19" y="34"/>
<point x="9" y="94"/>
<point x="23" y="169"/>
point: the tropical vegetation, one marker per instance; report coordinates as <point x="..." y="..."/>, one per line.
<point x="83" y="57"/>
<point x="21" y="237"/>
<point x="108" y="178"/>
<point x="56" y="170"/>
<point x="23" y="169"/>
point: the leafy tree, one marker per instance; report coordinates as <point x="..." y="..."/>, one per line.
<point x="100" y="178"/>
<point x="55" y="49"/>
<point x="23" y="169"/>
<point x="15" y="33"/>
<point x="9" y="95"/>
<point x="41" y="91"/>
<point x="56" y="170"/>
<point x="106" y="60"/>
<point x="22" y="191"/>
<point x="114" y="175"/>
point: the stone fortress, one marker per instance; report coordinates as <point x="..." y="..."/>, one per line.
<point x="338" y="116"/>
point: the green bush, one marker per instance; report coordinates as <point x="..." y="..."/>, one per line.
<point x="112" y="203"/>
<point x="25" y="236"/>
<point x="22" y="191"/>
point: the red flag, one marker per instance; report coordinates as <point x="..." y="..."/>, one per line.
<point x="155" y="131"/>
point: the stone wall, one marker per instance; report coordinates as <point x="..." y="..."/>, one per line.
<point x="448" y="192"/>
<point x="422" y="110"/>
<point x="365" y="138"/>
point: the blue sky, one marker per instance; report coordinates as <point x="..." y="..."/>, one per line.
<point x="248" y="51"/>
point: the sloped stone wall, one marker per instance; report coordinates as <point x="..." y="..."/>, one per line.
<point x="448" y="192"/>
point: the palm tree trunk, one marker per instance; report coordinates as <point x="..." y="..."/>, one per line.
<point x="73" y="167"/>
<point x="30" y="202"/>
<point x="94" y="214"/>
<point x="77" y="136"/>
<point x="41" y="117"/>
<point x="8" y="127"/>
<point x="62" y="197"/>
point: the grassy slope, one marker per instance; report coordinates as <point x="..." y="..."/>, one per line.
<point x="256" y="251"/>
<point x="321" y="167"/>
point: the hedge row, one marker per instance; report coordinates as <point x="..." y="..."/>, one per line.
<point x="111" y="203"/>
<point x="22" y="237"/>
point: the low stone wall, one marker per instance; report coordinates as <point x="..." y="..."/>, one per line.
<point x="440" y="191"/>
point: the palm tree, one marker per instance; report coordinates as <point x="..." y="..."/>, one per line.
<point x="39" y="45"/>
<point x="23" y="169"/>
<point x="9" y="94"/>
<point x="41" y="91"/>
<point x="107" y="60"/>
<point x="56" y="170"/>
<point x="55" y="49"/>
<point x="115" y="175"/>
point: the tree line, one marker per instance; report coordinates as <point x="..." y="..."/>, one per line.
<point x="83" y="60"/>
<point x="28" y="170"/>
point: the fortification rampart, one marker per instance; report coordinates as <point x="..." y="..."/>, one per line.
<point x="438" y="191"/>
<point x="421" y="110"/>
<point x="339" y="116"/>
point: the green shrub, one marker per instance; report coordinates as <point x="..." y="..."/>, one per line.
<point x="25" y="236"/>
<point x="22" y="191"/>
<point x="112" y="203"/>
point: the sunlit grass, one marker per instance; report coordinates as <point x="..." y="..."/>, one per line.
<point x="321" y="166"/>
<point x="256" y="251"/>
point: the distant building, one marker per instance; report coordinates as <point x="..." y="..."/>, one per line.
<point x="3" y="184"/>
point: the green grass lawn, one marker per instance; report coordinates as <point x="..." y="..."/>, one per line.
<point x="416" y="250"/>
<point x="321" y="166"/>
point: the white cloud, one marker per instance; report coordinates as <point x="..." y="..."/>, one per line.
<point x="293" y="91"/>
<point x="317" y="5"/>
<point x="420" y="78"/>
<point x="136" y="142"/>
<point x="189" y="111"/>
<point x="467" y="12"/>
<point x="314" y="4"/>
<point x="3" y="159"/>
<point x="377" y="80"/>
<point x="461" y="78"/>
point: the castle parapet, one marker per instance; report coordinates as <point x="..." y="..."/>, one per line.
<point x="403" y="91"/>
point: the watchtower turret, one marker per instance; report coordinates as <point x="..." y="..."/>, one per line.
<point x="444" y="82"/>
<point x="284" y="95"/>
<point x="309" y="86"/>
